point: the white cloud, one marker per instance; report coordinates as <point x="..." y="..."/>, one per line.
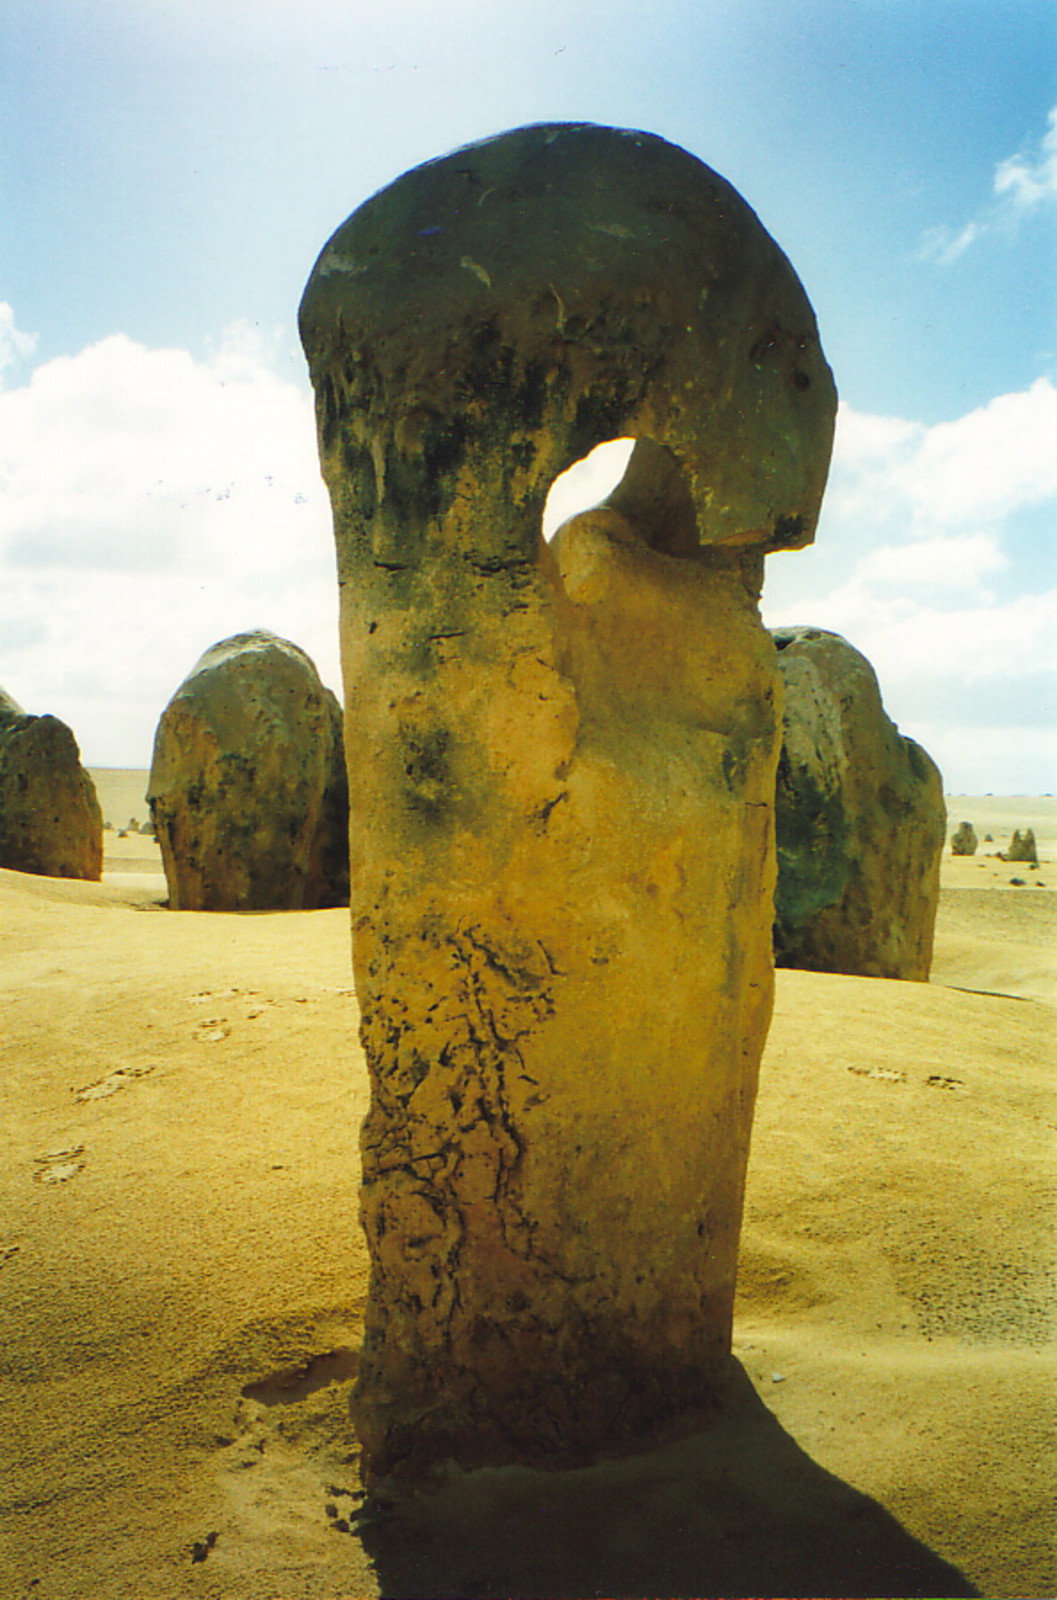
<point x="1021" y="184"/>
<point x="585" y="483"/>
<point x="913" y="641"/>
<point x="959" y="564"/>
<point x="15" y="346"/>
<point x="986" y="464"/>
<point x="151" y="504"/>
<point x="1028" y="181"/>
<point x="123" y="456"/>
<point x="920" y="563"/>
<point x="960" y="477"/>
<point x="945" y="245"/>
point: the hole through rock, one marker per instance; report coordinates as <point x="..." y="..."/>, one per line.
<point x="642" y="481"/>
<point x="586" y="483"/>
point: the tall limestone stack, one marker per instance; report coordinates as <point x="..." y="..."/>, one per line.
<point x="861" y="820"/>
<point x="247" y="791"/>
<point x="50" y="821"/>
<point x="562" y="771"/>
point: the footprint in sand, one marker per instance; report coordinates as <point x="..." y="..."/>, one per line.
<point x="340" y="1517"/>
<point x="103" y="1088"/>
<point x="211" y="1030"/>
<point x="880" y="1074"/>
<point x="201" y="1547"/>
<point x="60" y="1166"/>
<point x="937" y="1081"/>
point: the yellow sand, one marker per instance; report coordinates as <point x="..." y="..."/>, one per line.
<point x="182" y="1280"/>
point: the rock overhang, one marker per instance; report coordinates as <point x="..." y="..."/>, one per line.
<point x="507" y="307"/>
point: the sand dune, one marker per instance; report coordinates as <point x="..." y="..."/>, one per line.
<point x="182" y="1281"/>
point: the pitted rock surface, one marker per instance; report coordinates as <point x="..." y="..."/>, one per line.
<point x="562" y="767"/>
<point x="50" y="821"/>
<point x="861" y="820"/>
<point x="248" y="792"/>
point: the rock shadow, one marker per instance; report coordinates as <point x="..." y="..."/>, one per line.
<point x="737" y="1510"/>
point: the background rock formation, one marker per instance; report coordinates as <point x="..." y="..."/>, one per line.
<point x="964" y="840"/>
<point x="1022" y="847"/>
<point x="50" y="821"/>
<point x="860" y="820"/>
<point x="563" y="770"/>
<point x="248" y="793"/>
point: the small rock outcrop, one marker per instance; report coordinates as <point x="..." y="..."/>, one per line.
<point x="1022" y="847"/>
<point x="248" y="793"/>
<point x="860" y="820"/>
<point x="50" y="821"/>
<point x="562" y="771"/>
<point x="964" y="840"/>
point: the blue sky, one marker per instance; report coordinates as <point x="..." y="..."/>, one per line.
<point x="169" y="172"/>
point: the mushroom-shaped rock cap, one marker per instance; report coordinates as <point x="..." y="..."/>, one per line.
<point x="492" y="316"/>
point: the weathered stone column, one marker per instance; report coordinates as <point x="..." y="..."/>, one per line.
<point x="860" y="820"/>
<point x="247" y="783"/>
<point x="50" y="821"/>
<point x="562" y="771"/>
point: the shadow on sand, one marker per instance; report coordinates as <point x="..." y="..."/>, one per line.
<point x="739" y="1510"/>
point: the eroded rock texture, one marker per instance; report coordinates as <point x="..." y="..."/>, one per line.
<point x="861" y="820"/>
<point x="1022" y="847"/>
<point x="563" y="771"/>
<point x="248" y="793"/>
<point x="50" y="821"/>
<point x="964" y="841"/>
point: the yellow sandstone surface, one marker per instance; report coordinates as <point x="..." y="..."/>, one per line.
<point x="561" y="772"/>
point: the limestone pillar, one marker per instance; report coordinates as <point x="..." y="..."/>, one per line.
<point x="860" y="820"/>
<point x="247" y="784"/>
<point x="562" y="767"/>
<point x="50" y="821"/>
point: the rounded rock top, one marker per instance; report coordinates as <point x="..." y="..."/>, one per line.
<point x="243" y="647"/>
<point x="536" y="294"/>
